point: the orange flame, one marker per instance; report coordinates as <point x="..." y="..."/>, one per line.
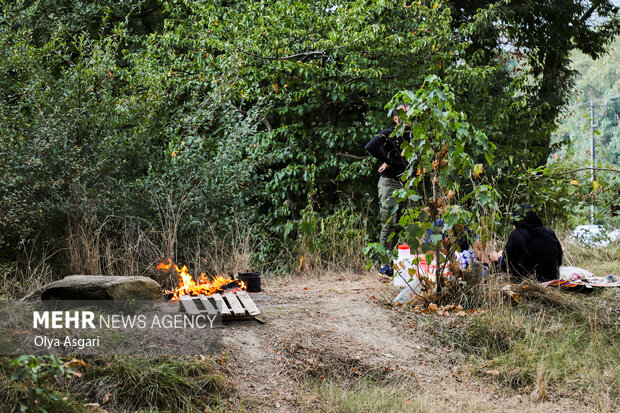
<point x="205" y="285"/>
<point x="165" y="267"/>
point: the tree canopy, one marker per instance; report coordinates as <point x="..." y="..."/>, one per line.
<point x="243" y="107"/>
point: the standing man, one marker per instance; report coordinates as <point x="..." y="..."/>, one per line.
<point x="387" y="150"/>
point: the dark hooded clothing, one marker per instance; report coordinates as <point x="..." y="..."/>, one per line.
<point x="387" y="150"/>
<point x="532" y="249"/>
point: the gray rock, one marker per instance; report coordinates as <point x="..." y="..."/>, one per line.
<point x="98" y="287"/>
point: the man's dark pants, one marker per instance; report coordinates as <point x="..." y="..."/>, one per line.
<point x="386" y="187"/>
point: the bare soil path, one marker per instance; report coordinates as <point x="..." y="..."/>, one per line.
<point x="343" y="328"/>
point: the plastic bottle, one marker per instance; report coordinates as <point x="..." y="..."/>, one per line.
<point x="403" y="275"/>
<point x="402" y="266"/>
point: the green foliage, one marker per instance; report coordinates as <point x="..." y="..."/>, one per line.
<point x="39" y="374"/>
<point x="40" y="369"/>
<point x="562" y="194"/>
<point x="533" y="43"/>
<point x="377" y="254"/>
<point x="220" y="108"/>
<point x="334" y="242"/>
<point x="597" y="83"/>
<point x="442" y="164"/>
<point x="46" y="383"/>
<point x="326" y="75"/>
<point x="94" y="126"/>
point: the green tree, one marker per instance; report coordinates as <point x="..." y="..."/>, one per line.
<point x="533" y="41"/>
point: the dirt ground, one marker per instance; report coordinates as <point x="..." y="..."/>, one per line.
<point x="343" y="327"/>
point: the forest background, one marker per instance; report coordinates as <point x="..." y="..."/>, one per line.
<point x="229" y="135"/>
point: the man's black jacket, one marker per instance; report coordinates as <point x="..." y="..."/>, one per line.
<point x="387" y="150"/>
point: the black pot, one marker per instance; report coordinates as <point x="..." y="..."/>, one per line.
<point x="251" y="280"/>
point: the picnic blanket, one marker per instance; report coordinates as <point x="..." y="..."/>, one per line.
<point x="572" y="277"/>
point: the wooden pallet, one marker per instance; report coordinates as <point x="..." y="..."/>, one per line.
<point x="234" y="305"/>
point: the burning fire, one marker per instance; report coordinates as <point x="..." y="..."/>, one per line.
<point x="205" y="285"/>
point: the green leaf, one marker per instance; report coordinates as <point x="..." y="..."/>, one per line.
<point x="435" y="238"/>
<point x="20" y="374"/>
<point x="489" y="157"/>
<point x="415" y="230"/>
<point x="308" y="227"/>
<point x="450" y="221"/>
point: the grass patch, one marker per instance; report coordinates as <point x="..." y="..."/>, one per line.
<point x="175" y="384"/>
<point x="123" y="384"/>
<point x="364" y="396"/>
<point x="600" y="261"/>
<point x="368" y="395"/>
<point x="310" y="360"/>
<point x="552" y="341"/>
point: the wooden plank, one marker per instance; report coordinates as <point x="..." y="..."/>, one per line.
<point x="247" y="302"/>
<point x="187" y="302"/>
<point x="234" y="303"/>
<point x="220" y="303"/>
<point x="208" y="305"/>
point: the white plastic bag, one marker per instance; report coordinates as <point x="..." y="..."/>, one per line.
<point x="408" y="294"/>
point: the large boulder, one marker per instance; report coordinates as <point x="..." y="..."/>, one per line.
<point x="99" y="287"/>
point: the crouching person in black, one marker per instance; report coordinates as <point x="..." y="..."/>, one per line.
<point x="532" y="249"/>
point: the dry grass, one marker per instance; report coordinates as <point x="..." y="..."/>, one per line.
<point x="32" y="272"/>
<point x="83" y="252"/>
<point x="335" y="244"/>
<point x="545" y="343"/>
<point x="95" y="247"/>
<point x="552" y="342"/>
<point x="170" y="211"/>
<point x="164" y="383"/>
<point x="309" y="359"/>
<point x="367" y="395"/>
<point x="228" y="254"/>
<point x="600" y="261"/>
<point x="134" y="254"/>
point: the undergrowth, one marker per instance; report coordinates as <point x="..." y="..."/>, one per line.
<point x="126" y="384"/>
<point x="542" y="341"/>
<point x="550" y="342"/>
